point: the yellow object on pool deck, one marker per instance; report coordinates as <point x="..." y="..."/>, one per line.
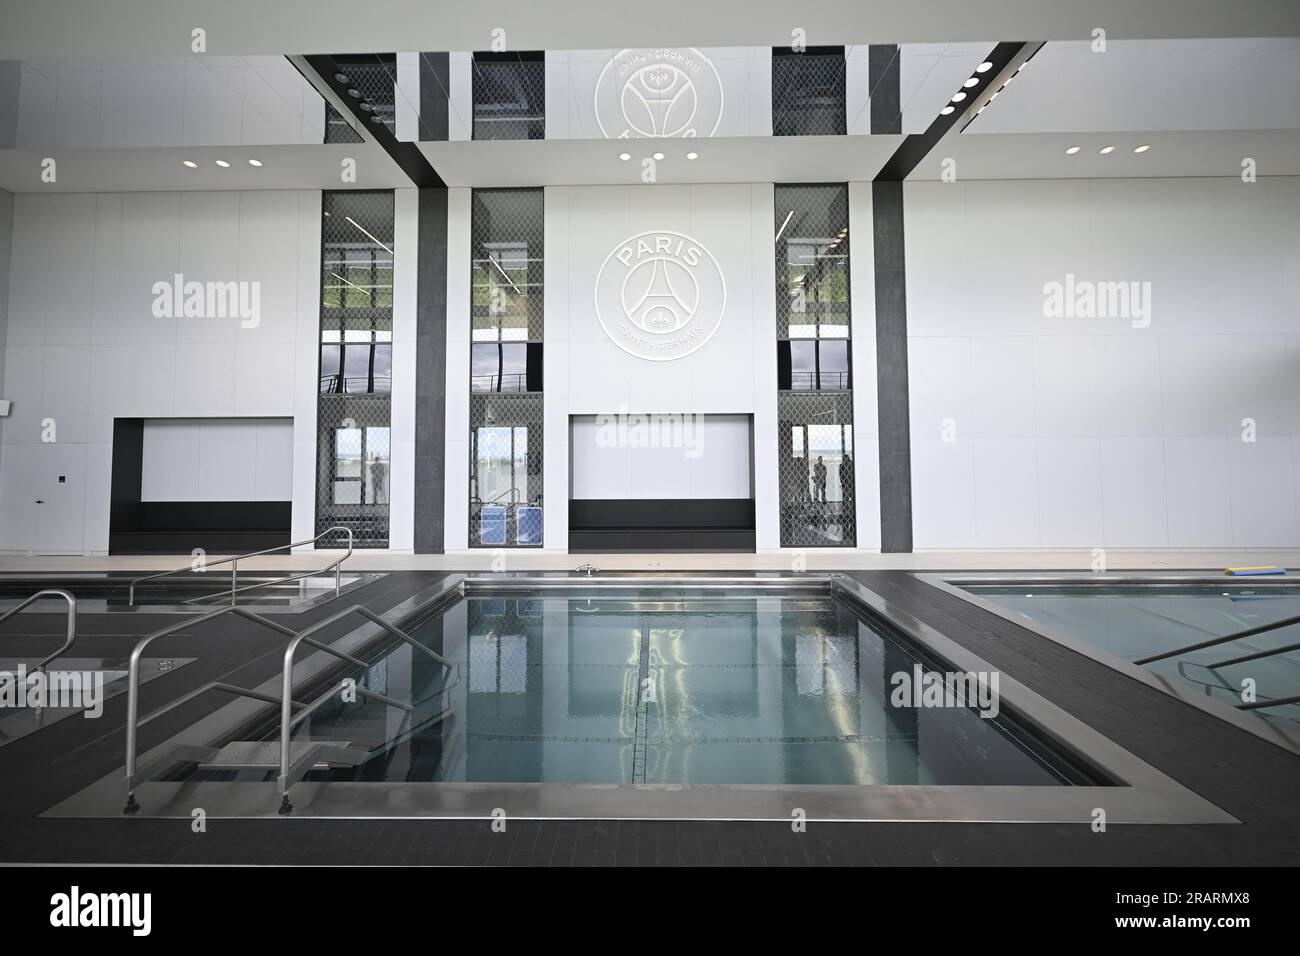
<point x="1263" y="569"/>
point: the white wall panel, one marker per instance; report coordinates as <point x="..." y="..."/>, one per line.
<point x="1127" y="434"/>
<point x="84" y="346"/>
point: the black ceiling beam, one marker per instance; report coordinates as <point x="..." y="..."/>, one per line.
<point x="916" y="146"/>
<point x="408" y="156"/>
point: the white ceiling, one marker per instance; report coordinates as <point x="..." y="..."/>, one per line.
<point x="1042" y="155"/>
<point x="163" y="27"/>
<point x="130" y="169"/>
<point x="1152" y="85"/>
<point x="721" y="160"/>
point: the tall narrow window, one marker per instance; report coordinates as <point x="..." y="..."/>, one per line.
<point x="505" y="482"/>
<point x="353" y="471"/>
<point x="509" y="92"/>
<point x="814" y="374"/>
<point x="808" y="92"/>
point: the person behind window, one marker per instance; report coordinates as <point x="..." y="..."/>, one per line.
<point x="819" y="480"/>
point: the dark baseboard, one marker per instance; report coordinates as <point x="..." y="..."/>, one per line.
<point x="185" y="542"/>
<point x="659" y="540"/>
<point x="661" y="524"/>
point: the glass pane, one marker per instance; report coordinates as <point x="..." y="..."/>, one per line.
<point x="377" y="465"/>
<point x="803" y="364"/>
<point x="329" y="368"/>
<point x="493" y="465"/>
<point x="347" y="453"/>
<point x="347" y="492"/>
<point x="834" y="362"/>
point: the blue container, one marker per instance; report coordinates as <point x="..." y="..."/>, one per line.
<point x="492" y="526"/>
<point x="528" y="525"/>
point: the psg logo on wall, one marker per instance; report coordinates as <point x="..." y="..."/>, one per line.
<point x="667" y="92"/>
<point x="660" y="295"/>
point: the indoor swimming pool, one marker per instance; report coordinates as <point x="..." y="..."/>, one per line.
<point x="588" y="687"/>
<point x="1158" y="625"/>
<point x="553" y="696"/>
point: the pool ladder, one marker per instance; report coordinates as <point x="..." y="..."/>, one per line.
<point x="235" y="590"/>
<point x="72" y="621"/>
<point x="1240" y="659"/>
<point x="292" y="759"/>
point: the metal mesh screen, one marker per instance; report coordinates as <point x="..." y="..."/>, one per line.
<point x="354" y="466"/>
<point x="337" y="129"/>
<point x="509" y="98"/>
<point x="374" y="78"/>
<point x="353" y="463"/>
<point x="808" y="94"/>
<point x="812" y="261"/>
<point x="506" y="268"/>
<point x="816" y="469"/>
<point x="505" y="479"/>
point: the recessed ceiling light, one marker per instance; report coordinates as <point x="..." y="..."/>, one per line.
<point x="958" y="96"/>
<point x="255" y="162"/>
<point x="354" y="93"/>
<point x="971" y="82"/>
<point x="658" y="155"/>
<point x="341" y="77"/>
<point x="625" y="156"/>
<point x="376" y="118"/>
<point x="1072" y="150"/>
<point x="1106" y="150"/>
<point x="223" y="164"/>
<point x="366" y="107"/>
<point x="190" y="163"/>
<point x="692" y="155"/>
<point x="946" y="110"/>
<point x="984" y="67"/>
<point x="1141" y="149"/>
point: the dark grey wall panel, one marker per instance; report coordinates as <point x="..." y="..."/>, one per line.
<point x="434" y="84"/>
<point x="431" y="373"/>
<point x="883" y="80"/>
<point x="891" y="368"/>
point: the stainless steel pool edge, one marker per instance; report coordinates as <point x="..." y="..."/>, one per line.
<point x="549" y="801"/>
<point x="1147" y="796"/>
<point x="1250" y="723"/>
<point x="91" y="605"/>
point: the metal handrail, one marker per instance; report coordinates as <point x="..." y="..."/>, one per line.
<point x="234" y="568"/>
<point x="1227" y="638"/>
<point x="287" y="722"/>
<point x="1284" y="649"/>
<point x="72" y="620"/>
<point x="133" y="720"/>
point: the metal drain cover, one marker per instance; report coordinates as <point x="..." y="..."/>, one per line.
<point x="265" y="754"/>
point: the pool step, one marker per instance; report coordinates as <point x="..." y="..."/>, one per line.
<point x="265" y="755"/>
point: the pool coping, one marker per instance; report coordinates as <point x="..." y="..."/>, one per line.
<point x="85" y="606"/>
<point x="1143" y="795"/>
<point x="951" y="583"/>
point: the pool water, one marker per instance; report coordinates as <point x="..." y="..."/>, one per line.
<point x="669" y="687"/>
<point x="1134" y="623"/>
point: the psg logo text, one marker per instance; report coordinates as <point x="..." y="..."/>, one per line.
<point x="660" y="295"/>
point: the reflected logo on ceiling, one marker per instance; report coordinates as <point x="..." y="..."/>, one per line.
<point x="660" y="295"/>
<point x="658" y="93"/>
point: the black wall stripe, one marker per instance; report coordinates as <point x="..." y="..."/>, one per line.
<point x="431" y="373"/>
<point x="891" y="368"/>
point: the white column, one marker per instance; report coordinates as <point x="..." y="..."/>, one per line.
<point x="555" y="371"/>
<point x="866" y="425"/>
<point x="401" y="481"/>
<point x="767" y="494"/>
<point x="306" y="378"/>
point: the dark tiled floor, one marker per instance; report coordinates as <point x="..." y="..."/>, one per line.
<point x="1251" y="779"/>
